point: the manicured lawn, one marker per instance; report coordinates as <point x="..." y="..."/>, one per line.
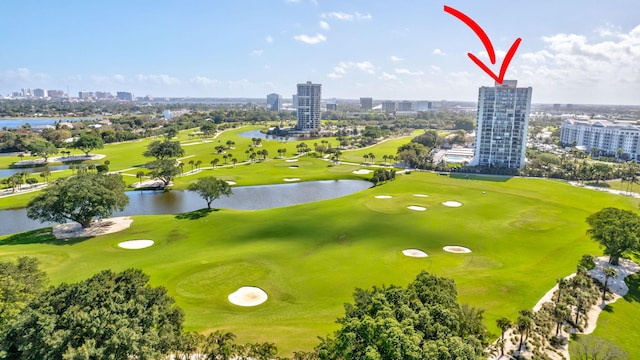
<point x="523" y="233"/>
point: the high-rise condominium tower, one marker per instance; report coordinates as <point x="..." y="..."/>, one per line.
<point x="501" y="129"/>
<point x="308" y="106"/>
<point x="274" y="102"/>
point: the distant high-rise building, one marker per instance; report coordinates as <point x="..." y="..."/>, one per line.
<point x="502" y="122"/>
<point x="405" y="106"/>
<point x="366" y="103"/>
<point x="39" y="93"/>
<point x="388" y="106"/>
<point x="124" y="96"/>
<point x="333" y="106"/>
<point x="27" y="92"/>
<point x="85" y="95"/>
<point x="423" y="106"/>
<point x="274" y="102"/>
<point x="611" y="138"/>
<point x="102" y="95"/>
<point x="55" y="94"/>
<point x="308" y="106"/>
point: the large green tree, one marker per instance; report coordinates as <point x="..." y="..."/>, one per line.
<point x="423" y="321"/>
<point x="81" y="198"/>
<point x="164" y="170"/>
<point x="108" y="316"/>
<point x="88" y="142"/>
<point x="617" y="230"/>
<point x="163" y="150"/>
<point x="42" y="148"/>
<point x="19" y="283"/>
<point x="210" y="188"/>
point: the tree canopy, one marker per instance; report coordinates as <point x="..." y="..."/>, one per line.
<point x="108" y="316"/>
<point x="42" y="148"/>
<point x="165" y="170"/>
<point x="210" y="188"/>
<point x="617" y="230"/>
<point x="80" y="198"/>
<point x="88" y="142"/>
<point x="428" y="139"/>
<point x="163" y="150"/>
<point x="423" y="321"/>
<point x="21" y="282"/>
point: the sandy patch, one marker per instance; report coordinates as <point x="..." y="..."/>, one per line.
<point x="291" y="160"/>
<point x="416" y="208"/>
<point x="362" y="172"/>
<point x="291" y="179"/>
<point x="452" y="204"/>
<point x="248" y="296"/>
<point x="135" y="244"/>
<point x="231" y="182"/>
<point x="414" y="253"/>
<point x="99" y="227"/>
<point x="456" y="249"/>
<point x="420" y="195"/>
<point x="383" y="196"/>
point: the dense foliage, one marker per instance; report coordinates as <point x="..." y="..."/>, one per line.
<point x="210" y="188"/>
<point x="617" y="230"/>
<point x="80" y="198"/>
<point x="19" y="283"/>
<point x="108" y="316"/>
<point x="423" y="321"/>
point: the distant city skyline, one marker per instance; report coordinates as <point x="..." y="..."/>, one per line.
<point x="574" y="51"/>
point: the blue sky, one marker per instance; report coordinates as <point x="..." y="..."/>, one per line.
<point x="572" y="51"/>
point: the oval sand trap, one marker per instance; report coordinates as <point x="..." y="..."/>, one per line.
<point x="291" y="160"/>
<point x="291" y="179"/>
<point x="416" y="208"/>
<point x="362" y="172"/>
<point x="456" y="249"/>
<point x="135" y="244"/>
<point x="248" y="296"/>
<point x="452" y="204"/>
<point x="230" y="182"/>
<point x="420" y="195"/>
<point x="383" y="196"/>
<point x="414" y="253"/>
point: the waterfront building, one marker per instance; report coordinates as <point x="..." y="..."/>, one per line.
<point x="308" y="106"/>
<point x="603" y="137"/>
<point x="274" y="102"/>
<point x="502" y="122"/>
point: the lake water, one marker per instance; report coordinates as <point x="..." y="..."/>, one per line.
<point x="5" y="173"/>
<point x="36" y="123"/>
<point x="257" y="134"/>
<point x="176" y="201"/>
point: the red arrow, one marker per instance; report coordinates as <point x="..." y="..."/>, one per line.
<point x="487" y="45"/>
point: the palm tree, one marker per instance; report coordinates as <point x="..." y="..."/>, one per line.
<point x="504" y="324"/>
<point x="524" y="324"/>
<point x="198" y="164"/>
<point x="219" y="345"/>
<point x="561" y="313"/>
<point x="562" y="284"/>
<point x="191" y="162"/>
<point x="609" y="272"/>
<point x="371" y="156"/>
<point x="140" y="175"/>
<point x="214" y="162"/>
<point x="234" y="161"/>
<point x="365" y="157"/>
<point x="45" y="174"/>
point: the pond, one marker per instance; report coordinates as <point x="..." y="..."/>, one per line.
<point x="5" y="173"/>
<point x="257" y="134"/>
<point x="177" y="201"/>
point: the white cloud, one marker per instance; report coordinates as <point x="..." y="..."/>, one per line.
<point x="203" y="81"/>
<point x="435" y="69"/>
<point x="395" y="58"/>
<point x="408" y="72"/>
<point x="346" y="16"/>
<point x="161" y="79"/>
<point x="343" y="68"/>
<point x="22" y="75"/>
<point x="387" y="76"/>
<point x="269" y="39"/>
<point x="311" y="39"/>
<point x="256" y="53"/>
<point x="324" y="25"/>
<point x="438" y="52"/>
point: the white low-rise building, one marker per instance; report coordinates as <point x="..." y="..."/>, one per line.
<point x="607" y="137"/>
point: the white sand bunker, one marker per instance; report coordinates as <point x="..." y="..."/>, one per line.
<point x="291" y="179"/>
<point x="420" y="195"/>
<point x="416" y="208"/>
<point x="248" y="296"/>
<point x="456" y="249"/>
<point x="414" y="253"/>
<point x="383" y="196"/>
<point x="291" y="160"/>
<point x="99" y="227"/>
<point x="230" y="182"/>
<point x="135" y="244"/>
<point x="452" y="204"/>
<point x="362" y="172"/>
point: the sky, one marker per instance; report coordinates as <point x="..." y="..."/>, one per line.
<point x="572" y="51"/>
